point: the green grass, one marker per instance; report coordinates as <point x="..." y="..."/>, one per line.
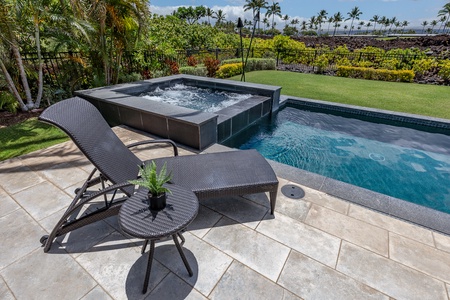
<point x="428" y="100"/>
<point x="28" y="136"/>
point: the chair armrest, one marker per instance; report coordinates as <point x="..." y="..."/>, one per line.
<point x="162" y="141"/>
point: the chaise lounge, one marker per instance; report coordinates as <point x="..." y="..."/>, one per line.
<point x="207" y="175"/>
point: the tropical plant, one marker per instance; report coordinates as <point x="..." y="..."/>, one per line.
<point x="272" y="11"/>
<point x="375" y="19"/>
<point x="424" y="23"/>
<point x="445" y="12"/>
<point x="209" y="13"/>
<point x="353" y="14"/>
<point x="255" y="6"/>
<point x="337" y="18"/>
<point x="321" y="18"/>
<point x="152" y="180"/>
<point x="220" y="16"/>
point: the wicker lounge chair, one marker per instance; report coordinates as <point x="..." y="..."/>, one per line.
<point x="207" y="175"/>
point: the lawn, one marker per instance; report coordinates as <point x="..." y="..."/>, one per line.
<point x="428" y="100"/>
<point x="28" y="136"/>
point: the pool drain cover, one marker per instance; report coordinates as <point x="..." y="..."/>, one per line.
<point x="292" y="191"/>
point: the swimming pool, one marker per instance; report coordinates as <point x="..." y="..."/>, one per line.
<point x="408" y="163"/>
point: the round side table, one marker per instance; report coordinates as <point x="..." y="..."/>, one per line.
<point x="137" y="220"/>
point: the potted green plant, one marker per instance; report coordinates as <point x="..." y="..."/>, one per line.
<point x="154" y="182"/>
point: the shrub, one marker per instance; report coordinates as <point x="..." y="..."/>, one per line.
<point x="123" y="78"/>
<point x="8" y="102"/>
<point x="376" y="74"/>
<point x="192" y="61"/>
<point x="254" y="64"/>
<point x="321" y="62"/>
<point x="197" y="71"/>
<point x="421" y="66"/>
<point x="444" y="71"/>
<point x="212" y="65"/>
<point x="229" y="70"/>
<point x="173" y="67"/>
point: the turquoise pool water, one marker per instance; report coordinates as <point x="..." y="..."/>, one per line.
<point x="405" y="163"/>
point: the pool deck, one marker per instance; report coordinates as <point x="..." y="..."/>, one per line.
<point x="316" y="247"/>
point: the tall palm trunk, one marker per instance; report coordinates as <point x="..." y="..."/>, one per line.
<point x="40" y="73"/>
<point x="11" y="86"/>
<point x="22" y="73"/>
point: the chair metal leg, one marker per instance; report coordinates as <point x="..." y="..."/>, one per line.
<point x="180" y="250"/>
<point x="149" y="266"/>
<point x="144" y="246"/>
<point x="181" y="238"/>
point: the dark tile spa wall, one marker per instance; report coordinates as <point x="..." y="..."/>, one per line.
<point x="121" y="104"/>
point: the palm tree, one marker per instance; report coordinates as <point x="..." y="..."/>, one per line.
<point x="303" y="28"/>
<point x="424" y="23"/>
<point x="392" y="22"/>
<point x="353" y="14"/>
<point x="321" y="17"/>
<point x="404" y="25"/>
<point x="375" y="19"/>
<point x="285" y="19"/>
<point x="445" y="11"/>
<point x="329" y="20"/>
<point x="272" y="11"/>
<point x="220" y="16"/>
<point x="442" y="20"/>
<point x="255" y="6"/>
<point x="209" y="14"/>
<point x="368" y="24"/>
<point x="433" y="24"/>
<point x="266" y="23"/>
<point x="384" y="22"/>
<point x="397" y="25"/>
<point x="313" y="23"/>
<point x="337" y="18"/>
<point x="360" y="25"/>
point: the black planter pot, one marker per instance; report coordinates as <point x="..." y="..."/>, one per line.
<point x="157" y="202"/>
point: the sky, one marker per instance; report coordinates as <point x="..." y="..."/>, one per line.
<point x="413" y="11"/>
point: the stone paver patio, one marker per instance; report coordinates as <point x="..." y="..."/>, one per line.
<point x="317" y="247"/>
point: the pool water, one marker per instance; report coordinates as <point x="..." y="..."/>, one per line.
<point x="207" y="100"/>
<point x="405" y="163"/>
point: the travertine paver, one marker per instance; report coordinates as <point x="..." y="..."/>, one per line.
<point x="350" y="229"/>
<point x="303" y="238"/>
<point x="310" y="279"/>
<point x="18" y="178"/>
<point x="5" y="293"/>
<point x="420" y="257"/>
<point x="204" y="221"/>
<point x="122" y="267"/>
<point x="47" y="276"/>
<point x="294" y="208"/>
<point x="205" y="277"/>
<point x="42" y="200"/>
<point x="442" y="241"/>
<point x="249" y="247"/>
<point x="97" y="293"/>
<point x="392" y="224"/>
<point x="172" y="287"/>
<point x="325" y="200"/>
<point x="71" y="175"/>
<point x="239" y="209"/>
<point x="7" y="204"/>
<point x="20" y="235"/>
<point x="235" y="285"/>
<point x="98" y="262"/>
<point x="390" y="277"/>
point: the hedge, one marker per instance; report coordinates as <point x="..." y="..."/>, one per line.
<point x="197" y="71"/>
<point x="376" y="74"/>
<point x="254" y="64"/>
<point x="229" y="70"/>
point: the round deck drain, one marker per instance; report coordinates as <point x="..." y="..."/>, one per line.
<point x="292" y="191"/>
